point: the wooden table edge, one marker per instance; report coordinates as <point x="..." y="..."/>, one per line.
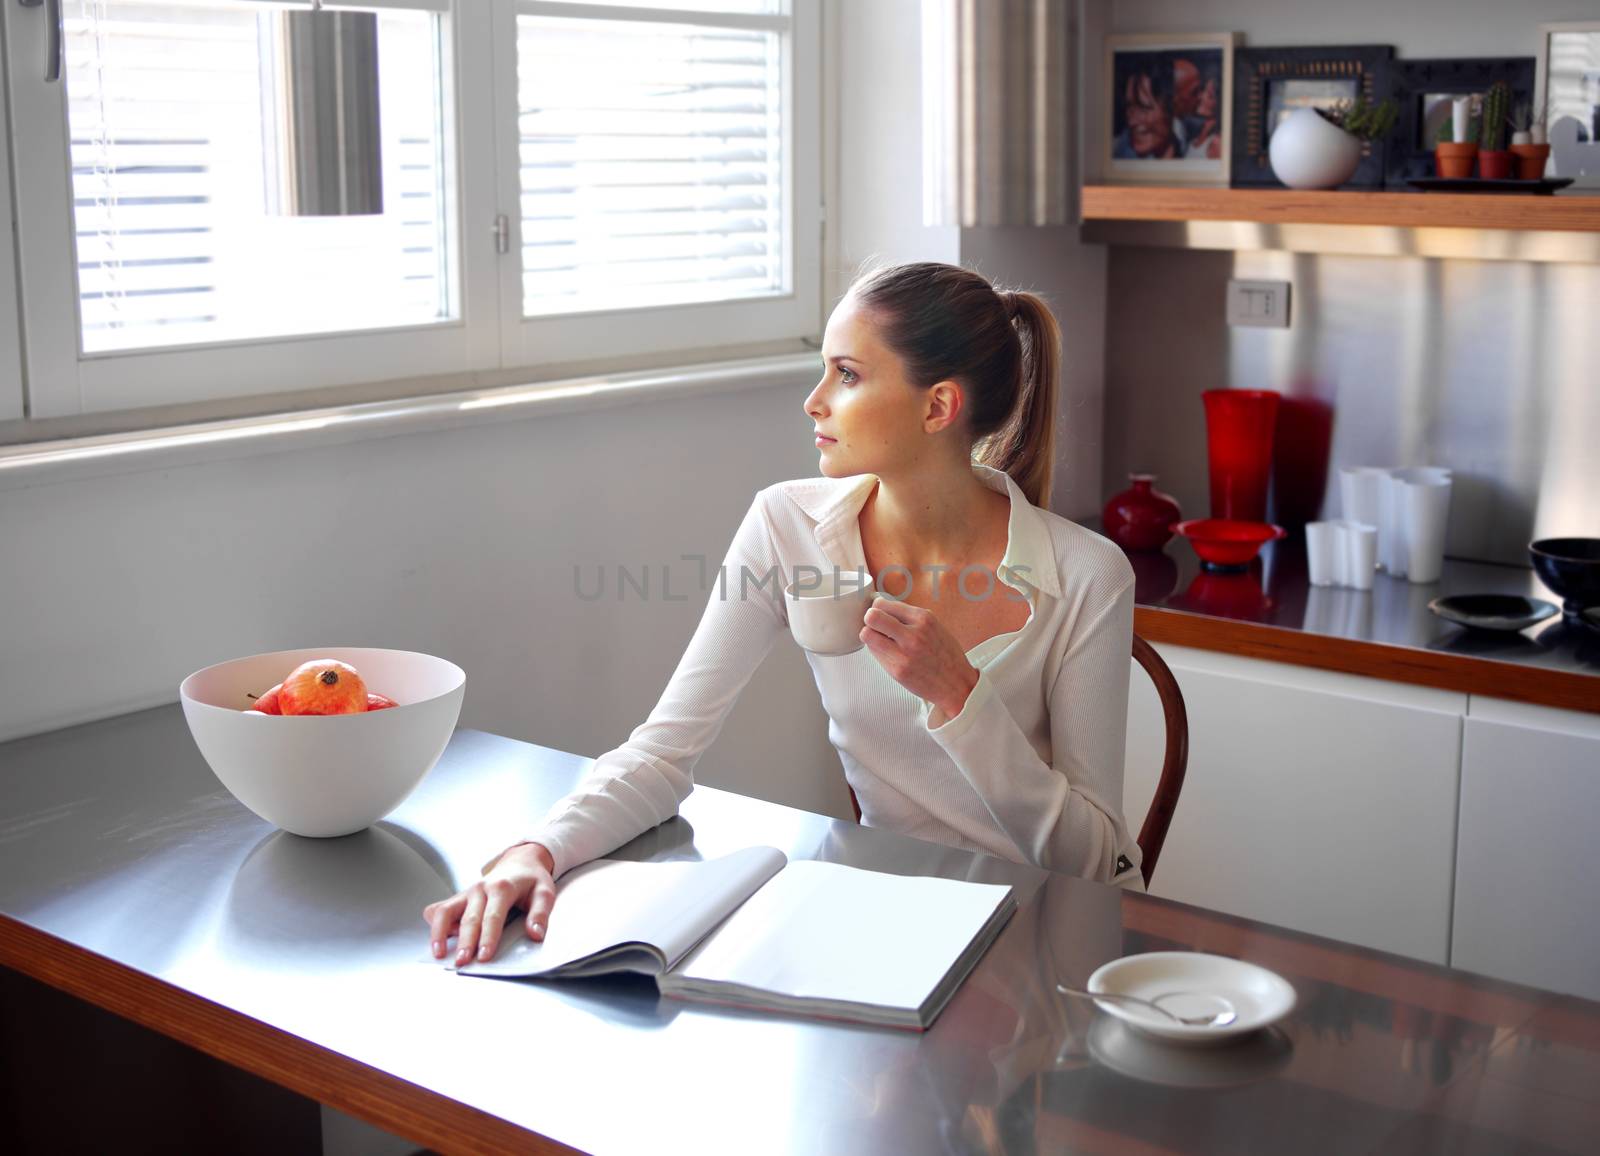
<point x="1467" y="674"/>
<point x="415" y="1113"/>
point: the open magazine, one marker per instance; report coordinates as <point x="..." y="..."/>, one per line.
<point x="753" y="930"/>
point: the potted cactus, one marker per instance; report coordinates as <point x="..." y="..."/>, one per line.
<point x="1456" y="147"/>
<point x="1528" y="143"/>
<point x="1494" y="159"/>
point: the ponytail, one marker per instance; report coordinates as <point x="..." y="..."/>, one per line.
<point x="1025" y="447"/>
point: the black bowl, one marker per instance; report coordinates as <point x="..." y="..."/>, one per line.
<point x="1570" y="567"/>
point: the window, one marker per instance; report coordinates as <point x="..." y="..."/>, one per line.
<point x="661" y="155"/>
<point x="175" y="112"/>
<point x="651" y="163"/>
<point x="10" y="343"/>
<point x="522" y="182"/>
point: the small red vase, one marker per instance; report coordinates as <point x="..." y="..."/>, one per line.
<point x="1141" y="518"/>
<point x="1239" y="428"/>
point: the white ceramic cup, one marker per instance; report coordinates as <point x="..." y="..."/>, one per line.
<point x="827" y="611"/>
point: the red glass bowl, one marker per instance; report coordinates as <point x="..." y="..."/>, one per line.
<point x="1225" y="544"/>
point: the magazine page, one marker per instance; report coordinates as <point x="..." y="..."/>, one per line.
<point x="613" y="914"/>
<point x="843" y="935"/>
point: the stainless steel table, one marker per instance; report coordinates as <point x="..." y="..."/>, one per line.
<point x="130" y="879"/>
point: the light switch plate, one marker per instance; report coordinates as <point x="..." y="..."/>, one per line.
<point x="1259" y="303"/>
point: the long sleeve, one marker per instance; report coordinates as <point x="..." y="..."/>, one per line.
<point x="642" y="782"/>
<point x="1064" y="816"/>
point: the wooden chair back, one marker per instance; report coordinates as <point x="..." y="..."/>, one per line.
<point x="1173" y="766"/>
<point x="1175" y="763"/>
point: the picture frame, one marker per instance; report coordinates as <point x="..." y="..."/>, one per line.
<point x="1572" y="89"/>
<point x="1168" y="107"/>
<point x="1272" y="82"/>
<point x="1424" y="90"/>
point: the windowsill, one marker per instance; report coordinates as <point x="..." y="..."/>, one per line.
<point x="40" y="455"/>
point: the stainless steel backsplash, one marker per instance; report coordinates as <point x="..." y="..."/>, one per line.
<point x="1491" y="368"/>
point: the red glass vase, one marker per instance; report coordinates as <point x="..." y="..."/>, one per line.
<point x="1239" y="427"/>
<point x="1142" y="517"/>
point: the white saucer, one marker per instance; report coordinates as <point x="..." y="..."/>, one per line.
<point x="1258" y="997"/>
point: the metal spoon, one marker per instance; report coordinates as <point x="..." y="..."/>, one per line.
<point x="1216" y="1019"/>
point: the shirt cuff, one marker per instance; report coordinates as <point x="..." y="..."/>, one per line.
<point x="977" y="698"/>
<point x="547" y="835"/>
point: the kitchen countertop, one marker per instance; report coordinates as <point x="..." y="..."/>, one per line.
<point x="1272" y="611"/>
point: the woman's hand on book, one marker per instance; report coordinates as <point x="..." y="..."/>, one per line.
<point x="521" y="877"/>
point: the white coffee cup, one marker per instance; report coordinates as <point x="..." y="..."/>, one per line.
<point x="828" y="610"/>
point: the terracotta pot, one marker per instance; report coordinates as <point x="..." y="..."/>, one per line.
<point x="1454" y="158"/>
<point x="1141" y="518"/>
<point x="1494" y="164"/>
<point x="1531" y="160"/>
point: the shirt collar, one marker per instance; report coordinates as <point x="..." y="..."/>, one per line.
<point x="834" y="504"/>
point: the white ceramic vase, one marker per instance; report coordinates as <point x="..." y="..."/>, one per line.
<point x="1342" y="553"/>
<point x="1309" y="153"/>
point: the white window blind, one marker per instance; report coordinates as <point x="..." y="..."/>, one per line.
<point x="653" y="156"/>
<point x="179" y="240"/>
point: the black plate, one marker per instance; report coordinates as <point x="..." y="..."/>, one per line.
<point x="1493" y="611"/>
<point x="1484" y="185"/>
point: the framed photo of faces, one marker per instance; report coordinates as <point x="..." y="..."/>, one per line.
<point x="1273" y="82"/>
<point x="1168" y="107"/>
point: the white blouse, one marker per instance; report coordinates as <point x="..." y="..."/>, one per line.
<point x="1030" y="770"/>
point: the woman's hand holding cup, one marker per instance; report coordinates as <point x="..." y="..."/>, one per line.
<point x="916" y="650"/>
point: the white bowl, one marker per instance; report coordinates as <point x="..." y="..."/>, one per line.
<point x="324" y="775"/>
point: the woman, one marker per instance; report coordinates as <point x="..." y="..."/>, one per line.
<point x="988" y="706"/>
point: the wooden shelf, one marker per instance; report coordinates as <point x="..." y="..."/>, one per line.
<point x="1574" y="213"/>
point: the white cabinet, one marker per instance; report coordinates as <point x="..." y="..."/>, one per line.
<point x="1527" y="903"/>
<point x="1319" y="801"/>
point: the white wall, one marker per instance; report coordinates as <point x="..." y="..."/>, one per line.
<point x="460" y="543"/>
<point x="877" y="75"/>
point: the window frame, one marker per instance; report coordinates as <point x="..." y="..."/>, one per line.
<point x="795" y="313"/>
<point x="11" y="396"/>
<point x="62" y="381"/>
<point x="490" y="338"/>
